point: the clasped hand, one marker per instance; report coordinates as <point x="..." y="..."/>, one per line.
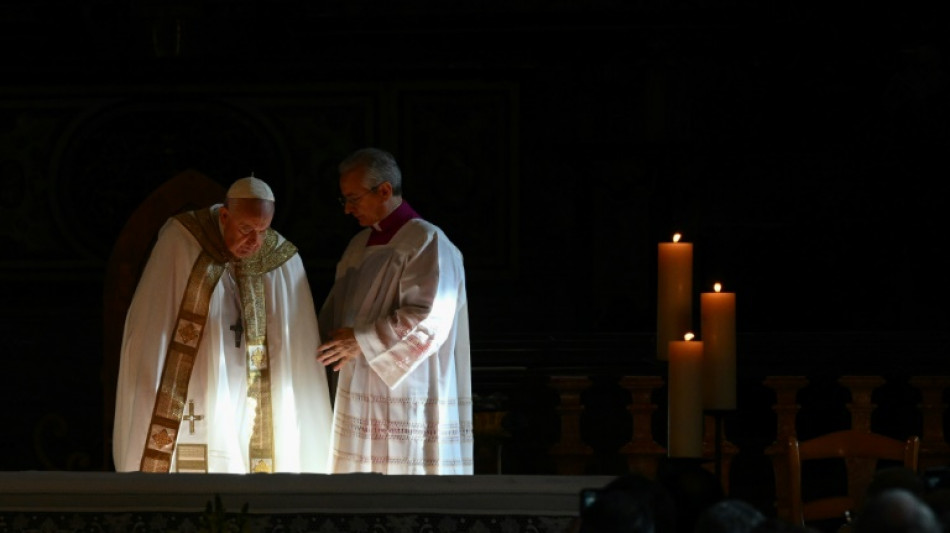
<point x="341" y="348"/>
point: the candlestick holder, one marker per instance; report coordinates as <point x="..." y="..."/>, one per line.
<point x="689" y="480"/>
<point x="718" y="439"/>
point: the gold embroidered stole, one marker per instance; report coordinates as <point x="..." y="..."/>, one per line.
<point x="207" y="270"/>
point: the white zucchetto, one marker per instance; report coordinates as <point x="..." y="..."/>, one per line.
<point x="250" y="187"/>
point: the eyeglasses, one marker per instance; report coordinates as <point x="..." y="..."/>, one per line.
<point x="344" y="201"/>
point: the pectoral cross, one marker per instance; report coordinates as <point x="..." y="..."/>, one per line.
<point x="238" y="330"/>
<point x="191" y="417"/>
<point x="237" y="327"/>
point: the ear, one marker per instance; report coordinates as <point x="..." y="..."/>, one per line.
<point x="385" y="190"/>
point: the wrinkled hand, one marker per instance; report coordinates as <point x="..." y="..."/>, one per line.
<point x="342" y="348"/>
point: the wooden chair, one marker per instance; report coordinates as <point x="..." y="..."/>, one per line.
<point x="186" y="191"/>
<point x="861" y="452"/>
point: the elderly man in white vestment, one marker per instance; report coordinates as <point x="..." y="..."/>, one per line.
<point x="216" y="371"/>
<point x="396" y="329"/>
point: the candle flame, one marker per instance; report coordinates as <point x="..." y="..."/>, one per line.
<point x="717" y="287"/>
<point x="676" y="237"/>
<point x="688" y="336"/>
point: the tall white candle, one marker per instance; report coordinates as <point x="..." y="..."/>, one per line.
<point x="718" y="316"/>
<point x="685" y="417"/>
<point x="674" y="293"/>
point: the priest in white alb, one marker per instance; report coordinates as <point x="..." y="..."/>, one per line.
<point x="216" y="370"/>
<point x="396" y="330"/>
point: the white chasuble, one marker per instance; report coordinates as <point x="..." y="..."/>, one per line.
<point x="405" y="405"/>
<point x="215" y="401"/>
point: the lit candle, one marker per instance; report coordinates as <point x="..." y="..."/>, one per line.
<point x="674" y="293"/>
<point x="685" y="417"/>
<point x="718" y="315"/>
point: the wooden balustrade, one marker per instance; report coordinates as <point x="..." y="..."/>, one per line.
<point x="786" y="410"/>
<point x="934" y="450"/>
<point x="642" y="451"/>
<point x="861" y="406"/>
<point x="570" y="454"/>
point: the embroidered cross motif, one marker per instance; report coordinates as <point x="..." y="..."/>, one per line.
<point x="191" y="417"/>
<point x="162" y="438"/>
<point x="188" y="332"/>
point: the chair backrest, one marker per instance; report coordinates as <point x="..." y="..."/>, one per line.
<point x="861" y="452"/>
<point x="186" y="191"/>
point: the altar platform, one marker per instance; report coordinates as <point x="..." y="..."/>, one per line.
<point x="105" y="501"/>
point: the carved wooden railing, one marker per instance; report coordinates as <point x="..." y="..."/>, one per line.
<point x="643" y="453"/>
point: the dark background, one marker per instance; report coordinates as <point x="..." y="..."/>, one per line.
<point x="802" y="149"/>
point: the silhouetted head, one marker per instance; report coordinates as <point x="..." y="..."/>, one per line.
<point x="896" y="510"/>
<point x="729" y="516"/>
<point x="629" y="504"/>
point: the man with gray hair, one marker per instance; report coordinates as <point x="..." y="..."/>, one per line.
<point x="216" y="371"/>
<point x="396" y="330"/>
